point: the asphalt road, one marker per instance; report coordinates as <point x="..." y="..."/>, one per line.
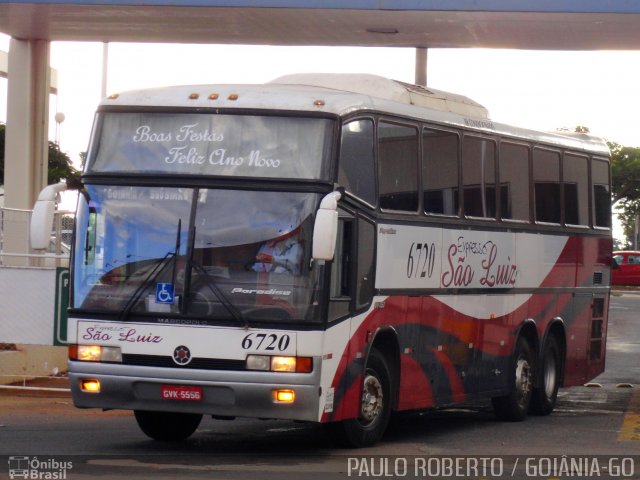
<point x="594" y="427"/>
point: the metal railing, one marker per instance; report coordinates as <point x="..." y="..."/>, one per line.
<point x="16" y="252"/>
<point x="15" y="247"/>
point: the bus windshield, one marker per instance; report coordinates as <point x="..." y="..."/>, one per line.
<point x="193" y="252"/>
<point x="212" y="144"/>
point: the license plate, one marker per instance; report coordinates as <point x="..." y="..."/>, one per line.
<point x="181" y="392"/>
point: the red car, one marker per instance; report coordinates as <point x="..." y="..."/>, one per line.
<point x="626" y="268"/>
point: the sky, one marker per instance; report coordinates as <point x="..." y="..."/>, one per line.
<point x="542" y="90"/>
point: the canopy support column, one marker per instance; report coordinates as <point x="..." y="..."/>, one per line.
<point x="27" y="136"/>
<point x="421" y="67"/>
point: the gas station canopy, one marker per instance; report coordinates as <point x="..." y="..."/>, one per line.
<point x="526" y="24"/>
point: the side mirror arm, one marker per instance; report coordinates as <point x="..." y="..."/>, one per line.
<point x="42" y="216"/>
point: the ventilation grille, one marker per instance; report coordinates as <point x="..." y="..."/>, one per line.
<point x="597" y="278"/>
<point x="196" y="363"/>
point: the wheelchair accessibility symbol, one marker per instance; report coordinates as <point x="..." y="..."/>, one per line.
<point x="164" y="293"/>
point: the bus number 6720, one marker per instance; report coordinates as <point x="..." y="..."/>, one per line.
<point x="421" y="260"/>
<point x="266" y="341"/>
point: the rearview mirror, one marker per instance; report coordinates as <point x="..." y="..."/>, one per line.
<point x="325" y="228"/>
<point x="42" y="216"/>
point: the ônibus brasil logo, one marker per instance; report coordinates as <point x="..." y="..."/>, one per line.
<point x="35" y="468"/>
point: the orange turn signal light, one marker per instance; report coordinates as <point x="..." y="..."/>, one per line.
<point x="284" y="395"/>
<point x="90" y="385"/>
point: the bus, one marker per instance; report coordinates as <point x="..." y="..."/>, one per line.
<point x="331" y="248"/>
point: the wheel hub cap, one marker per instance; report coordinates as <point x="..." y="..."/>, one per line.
<point x="372" y="398"/>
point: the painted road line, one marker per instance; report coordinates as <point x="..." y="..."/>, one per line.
<point x="630" y="430"/>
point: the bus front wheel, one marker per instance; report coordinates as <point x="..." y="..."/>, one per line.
<point x="167" y="426"/>
<point x="375" y="406"/>
<point x="514" y="406"/>
<point x="544" y="397"/>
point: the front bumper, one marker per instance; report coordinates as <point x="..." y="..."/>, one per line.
<point x="224" y="393"/>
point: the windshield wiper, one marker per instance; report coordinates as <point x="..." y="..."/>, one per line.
<point x="215" y="289"/>
<point x="192" y="265"/>
<point x="153" y="274"/>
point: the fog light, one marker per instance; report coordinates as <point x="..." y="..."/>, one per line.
<point x="90" y="385"/>
<point x="284" y="396"/>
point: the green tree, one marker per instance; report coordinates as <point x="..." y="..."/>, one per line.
<point x="59" y="165"/>
<point x="625" y="185"/>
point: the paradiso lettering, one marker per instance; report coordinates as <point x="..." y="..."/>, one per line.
<point x="188" y="154"/>
<point x="480" y="261"/>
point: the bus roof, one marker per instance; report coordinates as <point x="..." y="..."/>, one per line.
<point x="344" y="94"/>
<point x="394" y="90"/>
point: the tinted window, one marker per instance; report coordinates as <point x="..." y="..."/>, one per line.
<point x="601" y="193"/>
<point x="356" y="172"/>
<point x="514" y="181"/>
<point x="366" y="248"/>
<point x="575" y="176"/>
<point x="398" y="156"/>
<point x="479" y="177"/>
<point x="440" y="171"/>
<point x="546" y="178"/>
<point x="341" y="287"/>
<point x="341" y="267"/>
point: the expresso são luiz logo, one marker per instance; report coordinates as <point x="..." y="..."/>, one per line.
<point x="182" y="355"/>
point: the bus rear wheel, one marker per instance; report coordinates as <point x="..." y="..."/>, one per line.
<point x="167" y="426"/>
<point x="544" y="397"/>
<point x="514" y="406"/>
<point x="375" y="406"/>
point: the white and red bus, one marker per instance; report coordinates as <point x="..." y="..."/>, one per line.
<point x="332" y="248"/>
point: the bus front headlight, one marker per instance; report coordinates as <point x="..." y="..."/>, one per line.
<point x="95" y="353"/>
<point x="278" y="363"/>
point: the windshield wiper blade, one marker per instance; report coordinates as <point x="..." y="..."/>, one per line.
<point x="215" y="289"/>
<point x="153" y="274"/>
<point x="193" y="265"/>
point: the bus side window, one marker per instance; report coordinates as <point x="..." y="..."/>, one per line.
<point x="575" y="178"/>
<point x="90" y="245"/>
<point x="514" y="182"/>
<point x="601" y="193"/>
<point x="341" y="288"/>
<point x="398" y="175"/>
<point x="365" y="277"/>
<point x="479" y="177"/>
<point x="356" y="170"/>
<point x="546" y="181"/>
<point x="440" y="172"/>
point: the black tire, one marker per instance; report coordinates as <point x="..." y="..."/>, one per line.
<point x="514" y="406"/>
<point x="543" y="399"/>
<point x="375" y="407"/>
<point x="167" y="426"/>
